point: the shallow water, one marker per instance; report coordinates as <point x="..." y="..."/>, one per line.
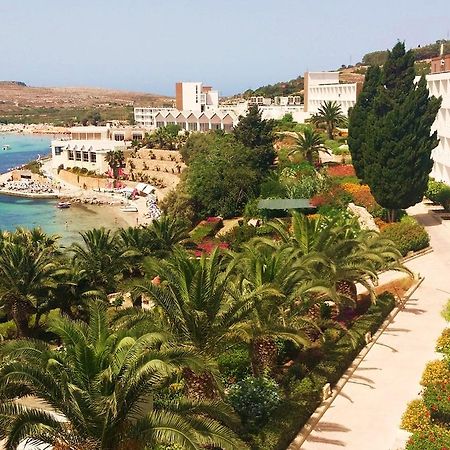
<point x="29" y="213"/>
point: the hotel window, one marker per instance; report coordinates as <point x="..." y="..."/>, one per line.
<point x="204" y="127"/>
<point x="137" y="137"/>
<point x="159" y="124"/>
<point x="77" y="156"/>
<point x="58" y="151"/>
<point x="119" y="137"/>
<point x="85" y="156"/>
<point x="70" y="155"/>
<point x="93" y="157"/>
<point x="192" y="126"/>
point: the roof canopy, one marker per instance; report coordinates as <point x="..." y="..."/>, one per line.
<point x="285" y="203"/>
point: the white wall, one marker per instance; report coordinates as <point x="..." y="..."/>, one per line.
<point x="439" y="85"/>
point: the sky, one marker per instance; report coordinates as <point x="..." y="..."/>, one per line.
<point x="233" y="45"/>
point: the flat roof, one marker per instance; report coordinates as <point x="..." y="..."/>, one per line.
<point x="285" y="203"/>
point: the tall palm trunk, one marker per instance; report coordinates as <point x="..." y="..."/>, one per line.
<point x="347" y="288"/>
<point x="330" y="130"/>
<point x="20" y="312"/>
<point x="264" y="354"/>
<point x="199" y="386"/>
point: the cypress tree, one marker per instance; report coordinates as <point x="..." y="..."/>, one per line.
<point x="358" y="118"/>
<point x="398" y="138"/>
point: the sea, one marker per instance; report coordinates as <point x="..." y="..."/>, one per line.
<point x="24" y="212"/>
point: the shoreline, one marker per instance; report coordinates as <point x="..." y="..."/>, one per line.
<point x="32" y="129"/>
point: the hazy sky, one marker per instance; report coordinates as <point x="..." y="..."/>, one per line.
<point x="148" y="45"/>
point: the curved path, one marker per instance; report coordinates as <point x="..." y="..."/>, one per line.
<point x="366" y="414"/>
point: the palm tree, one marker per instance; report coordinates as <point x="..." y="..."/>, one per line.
<point x="165" y="233"/>
<point x="101" y="257"/>
<point x="27" y="279"/>
<point x="308" y="144"/>
<point x="354" y="256"/>
<point x="200" y="307"/>
<point x="115" y="159"/>
<point x="74" y="291"/>
<point x="161" y="136"/>
<point x="330" y="114"/>
<point x="280" y="313"/>
<point x="98" y="392"/>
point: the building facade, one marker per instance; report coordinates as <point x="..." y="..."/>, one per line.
<point x="325" y="86"/>
<point x="193" y="96"/>
<point x="87" y="147"/>
<point x="439" y="86"/>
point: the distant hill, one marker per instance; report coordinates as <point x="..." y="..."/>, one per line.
<point x="352" y="74"/>
<point x="421" y="53"/>
<point x="20" y="103"/>
<point x="282" y="88"/>
<point x="12" y="83"/>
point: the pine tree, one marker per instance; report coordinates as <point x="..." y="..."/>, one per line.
<point x="397" y="136"/>
<point x="358" y="118"/>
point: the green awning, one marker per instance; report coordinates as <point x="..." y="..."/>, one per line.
<point x="284" y="203"/>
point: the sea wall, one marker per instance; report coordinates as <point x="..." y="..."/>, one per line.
<point x="89" y="182"/>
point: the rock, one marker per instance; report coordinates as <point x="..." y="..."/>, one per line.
<point x="365" y="219"/>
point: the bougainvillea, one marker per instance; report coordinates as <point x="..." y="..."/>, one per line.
<point x="342" y="170"/>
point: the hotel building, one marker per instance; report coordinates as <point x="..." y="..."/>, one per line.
<point x="87" y="146"/>
<point x="325" y="86"/>
<point x="439" y="85"/>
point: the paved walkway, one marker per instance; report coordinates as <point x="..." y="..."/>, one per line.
<point x="366" y="414"/>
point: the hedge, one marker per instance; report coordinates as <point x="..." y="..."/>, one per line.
<point x="306" y="394"/>
<point x="408" y="236"/>
<point x="434" y="438"/>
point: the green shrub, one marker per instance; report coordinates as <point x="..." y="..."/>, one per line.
<point x="239" y="235"/>
<point x="407" y="236"/>
<point x="254" y="399"/>
<point x="437" y="399"/>
<point x="234" y="365"/>
<point x="433" y="189"/>
<point x="416" y="417"/>
<point x="443" y="198"/>
<point x="434" y="438"/>
<point x="7" y="330"/>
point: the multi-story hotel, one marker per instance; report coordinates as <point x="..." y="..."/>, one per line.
<point x="325" y="86"/>
<point x="439" y="85"/>
<point x="87" y="146"/>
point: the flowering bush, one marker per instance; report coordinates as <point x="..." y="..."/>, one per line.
<point x="433" y="438"/>
<point x="443" y="343"/>
<point x="336" y="196"/>
<point x="437" y="399"/>
<point x="207" y="246"/>
<point x="254" y="399"/>
<point x="436" y="372"/>
<point x="342" y="170"/>
<point x="416" y="417"/>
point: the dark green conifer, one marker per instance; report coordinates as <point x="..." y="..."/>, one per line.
<point x="397" y="138"/>
<point x="358" y="118"/>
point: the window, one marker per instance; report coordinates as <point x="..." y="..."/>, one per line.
<point x="85" y="156"/>
<point x="71" y="155"/>
<point x="204" y="126"/>
<point x="137" y="137"/>
<point x="159" y="124"/>
<point x="77" y="156"/>
<point x="58" y="151"/>
<point x="119" y="137"/>
<point x="93" y="157"/>
<point x="192" y="126"/>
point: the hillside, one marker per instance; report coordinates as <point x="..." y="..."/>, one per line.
<point x="282" y="88"/>
<point x="25" y="104"/>
<point x="422" y="52"/>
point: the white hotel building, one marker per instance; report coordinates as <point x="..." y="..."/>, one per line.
<point x="87" y="147"/>
<point x="439" y="85"/>
<point x="325" y="86"/>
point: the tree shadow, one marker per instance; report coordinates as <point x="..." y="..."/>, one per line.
<point x="394" y="350"/>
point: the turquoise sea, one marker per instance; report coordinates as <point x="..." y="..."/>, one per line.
<point x="16" y="211"/>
